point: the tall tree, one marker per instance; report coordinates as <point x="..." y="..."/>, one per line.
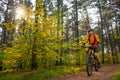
<point x="102" y="36"/>
<point x="34" y="64"/>
<point x="76" y="22"/>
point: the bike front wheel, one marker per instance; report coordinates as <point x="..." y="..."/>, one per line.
<point x="89" y="65"/>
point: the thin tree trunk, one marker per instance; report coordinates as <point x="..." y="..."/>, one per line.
<point x="76" y="22"/>
<point x="114" y="45"/>
<point x="110" y="39"/>
<point x="61" y="32"/>
<point x="117" y="32"/>
<point x="87" y="20"/>
<point x="102" y="36"/>
<point x="34" y="64"/>
<point x="58" y="23"/>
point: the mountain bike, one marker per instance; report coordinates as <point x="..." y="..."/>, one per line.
<point x="91" y="62"/>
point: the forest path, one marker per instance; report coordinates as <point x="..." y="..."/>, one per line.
<point x="105" y="73"/>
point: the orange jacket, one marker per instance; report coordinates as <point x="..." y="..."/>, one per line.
<point x="91" y="39"/>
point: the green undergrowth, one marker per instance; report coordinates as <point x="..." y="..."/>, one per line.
<point x="40" y="75"/>
<point x="11" y="76"/>
<point x="117" y="76"/>
<point x="55" y="73"/>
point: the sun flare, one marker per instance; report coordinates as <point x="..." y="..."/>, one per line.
<point x="20" y="13"/>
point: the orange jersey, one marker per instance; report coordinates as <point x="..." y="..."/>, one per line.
<point x="92" y="40"/>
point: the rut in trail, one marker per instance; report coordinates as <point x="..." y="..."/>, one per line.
<point x="105" y="73"/>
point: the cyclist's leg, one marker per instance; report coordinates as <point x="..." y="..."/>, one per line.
<point x="97" y="57"/>
<point x="96" y="54"/>
<point x="87" y="50"/>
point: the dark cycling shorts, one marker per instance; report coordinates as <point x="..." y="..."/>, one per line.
<point x="94" y="48"/>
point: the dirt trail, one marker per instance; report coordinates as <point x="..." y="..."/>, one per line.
<point x="105" y="73"/>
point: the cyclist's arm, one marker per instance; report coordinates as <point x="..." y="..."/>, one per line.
<point x="85" y="41"/>
<point x="97" y="38"/>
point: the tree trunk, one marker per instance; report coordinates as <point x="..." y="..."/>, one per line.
<point x="114" y="45"/>
<point x="110" y="39"/>
<point x="117" y="33"/>
<point x="102" y="36"/>
<point x="34" y="64"/>
<point x="76" y="22"/>
<point x="61" y="52"/>
<point x="58" y="23"/>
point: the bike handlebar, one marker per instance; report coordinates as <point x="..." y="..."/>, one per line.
<point x="83" y="46"/>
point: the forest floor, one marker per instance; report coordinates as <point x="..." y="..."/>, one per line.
<point x="105" y="73"/>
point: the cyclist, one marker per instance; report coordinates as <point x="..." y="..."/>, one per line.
<point x="93" y="40"/>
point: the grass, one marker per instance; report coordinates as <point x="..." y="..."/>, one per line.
<point x="14" y="75"/>
<point x="55" y="73"/>
<point x="46" y="74"/>
<point x="10" y="76"/>
<point x="117" y="76"/>
<point x="38" y="75"/>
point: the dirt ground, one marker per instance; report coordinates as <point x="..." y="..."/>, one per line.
<point x="105" y="73"/>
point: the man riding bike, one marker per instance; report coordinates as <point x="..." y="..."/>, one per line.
<point x="93" y="43"/>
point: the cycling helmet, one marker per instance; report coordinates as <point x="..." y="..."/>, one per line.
<point x="90" y="30"/>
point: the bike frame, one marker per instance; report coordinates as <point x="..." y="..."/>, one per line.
<point x="90" y="62"/>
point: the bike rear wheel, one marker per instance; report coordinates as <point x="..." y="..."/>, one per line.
<point x="89" y="65"/>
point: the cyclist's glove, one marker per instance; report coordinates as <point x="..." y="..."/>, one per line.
<point x="83" y="45"/>
<point x="98" y="44"/>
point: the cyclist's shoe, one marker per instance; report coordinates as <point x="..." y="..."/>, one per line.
<point x="99" y="65"/>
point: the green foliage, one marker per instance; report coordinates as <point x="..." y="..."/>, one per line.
<point x="117" y="76"/>
<point x="38" y="75"/>
<point x="73" y="58"/>
<point x="108" y="58"/>
<point x="73" y="54"/>
<point x="1" y="55"/>
<point x="46" y="74"/>
<point x="59" y="71"/>
<point x="117" y="37"/>
<point x="10" y="76"/>
<point x="34" y="40"/>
